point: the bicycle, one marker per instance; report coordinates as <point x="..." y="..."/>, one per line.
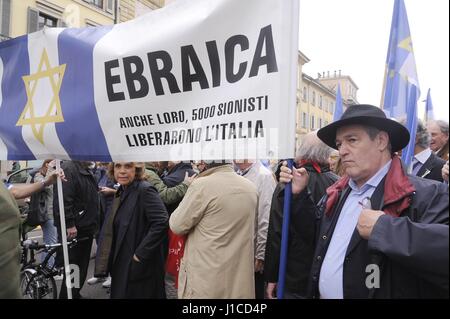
<point x="36" y="279"/>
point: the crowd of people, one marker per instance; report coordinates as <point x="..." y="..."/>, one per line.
<point x="362" y="224"/>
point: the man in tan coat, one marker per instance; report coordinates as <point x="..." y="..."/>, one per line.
<point x="217" y="214"/>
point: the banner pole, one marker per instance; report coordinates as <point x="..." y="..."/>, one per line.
<point x="62" y="217"/>
<point x="284" y="236"/>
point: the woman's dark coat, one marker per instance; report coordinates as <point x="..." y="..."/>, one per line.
<point x="143" y="227"/>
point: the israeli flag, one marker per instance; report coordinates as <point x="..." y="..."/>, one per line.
<point x="33" y="118"/>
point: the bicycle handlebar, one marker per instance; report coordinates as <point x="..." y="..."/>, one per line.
<point x="34" y="245"/>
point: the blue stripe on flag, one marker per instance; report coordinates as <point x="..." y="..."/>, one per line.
<point x="16" y="64"/>
<point x="75" y="48"/>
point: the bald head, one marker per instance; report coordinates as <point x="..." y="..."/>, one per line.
<point x="312" y="139"/>
<point x="313" y="149"/>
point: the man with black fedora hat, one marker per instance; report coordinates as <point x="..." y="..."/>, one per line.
<point x="380" y="233"/>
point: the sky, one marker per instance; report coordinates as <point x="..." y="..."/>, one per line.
<point x="353" y="36"/>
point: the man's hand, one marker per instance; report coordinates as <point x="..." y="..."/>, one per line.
<point x="367" y="221"/>
<point x="259" y="265"/>
<point x="445" y="172"/>
<point x="298" y="177"/>
<point x="53" y="176"/>
<point x="71" y="233"/>
<point x="189" y="179"/>
<point x="107" y="191"/>
<point x="271" y="290"/>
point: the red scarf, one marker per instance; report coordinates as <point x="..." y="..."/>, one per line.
<point x="397" y="190"/>
<point x="315" y="165"/>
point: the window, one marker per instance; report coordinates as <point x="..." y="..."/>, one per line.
<point x="97" y="3"/>
<point x="320" y="102"/>
<point x="305" y="94"/>
<point x="320" y="123"/>
<point x="326" y="123"/>
<point x="313" y="98"/>
<point x="110" y="6"/>
<point x="5" y="17"/>
<point x="304" y="120"/>
<point x="312" y="122"/>
<point x="46" y="21"/>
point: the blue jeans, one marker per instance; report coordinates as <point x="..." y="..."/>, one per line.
<point x="50" y="237"/>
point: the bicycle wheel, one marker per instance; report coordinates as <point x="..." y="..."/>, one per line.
<point x="37" y="286"/>
<point x="27" y="287"/>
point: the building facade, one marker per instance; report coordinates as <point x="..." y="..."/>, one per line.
<point x="130" y="9"/>
<point x="19" y="17"/>
<point x="316" y="98"/>
<point x="349" y="89"/>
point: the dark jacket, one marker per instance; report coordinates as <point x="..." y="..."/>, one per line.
<point x="141" y="231"/>
<point x="176" y="176"/>
<point x="81" y="201"/>
<point x="432" y="168"/>
<point x="105" y="201"/>
<point x="301" y="235"/>
<point x="412" y="250"/>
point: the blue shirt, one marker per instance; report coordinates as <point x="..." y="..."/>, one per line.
<point x="331" y="274"/>
<point x="419" y="160"/>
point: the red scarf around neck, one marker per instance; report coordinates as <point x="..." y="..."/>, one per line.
<point x="397" y="190"/>
<point x="315" y="165"/>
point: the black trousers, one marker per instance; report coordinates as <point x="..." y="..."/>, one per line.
<point x="78" y="255"/>
<point x="259" y="286"/>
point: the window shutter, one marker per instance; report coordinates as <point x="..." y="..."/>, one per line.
<point x="33" y="20"/>
<point x="5" y="6"/>
<point x="110" y="6"/>
<point x="62" y="23"/>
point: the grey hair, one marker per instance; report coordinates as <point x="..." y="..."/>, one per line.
<point x="423" y="137"/>
<point x="443" y="126"/>
<point x="313" y="149"/>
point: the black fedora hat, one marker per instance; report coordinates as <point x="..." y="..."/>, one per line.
<point x="366" y="115"/>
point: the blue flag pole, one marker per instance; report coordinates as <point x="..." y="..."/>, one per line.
<point x="339" y="109"/>
<point x="284" y="236"/>
<point x="429" y="113"/>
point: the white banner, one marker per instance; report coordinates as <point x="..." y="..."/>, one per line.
<point x="198" y="79"/>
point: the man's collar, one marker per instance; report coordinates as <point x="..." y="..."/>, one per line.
<point x="245" y="171"/>
<point x="221" y="168"/>
<point x="423" y="156"/>
<point x="374" y="180"/>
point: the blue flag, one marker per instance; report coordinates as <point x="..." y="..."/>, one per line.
<point x="429" y="113"/>
<point x="339" y="109"/>
<point x="401" y="88"/>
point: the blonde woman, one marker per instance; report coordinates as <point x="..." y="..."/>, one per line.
<point x="131" y="240"/>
